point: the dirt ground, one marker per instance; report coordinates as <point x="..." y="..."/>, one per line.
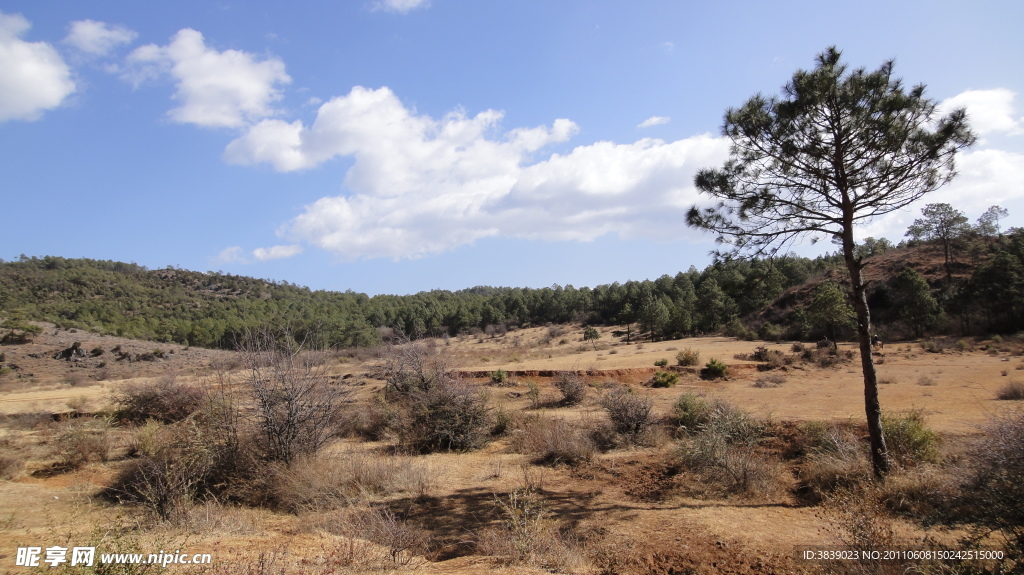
<point x="627" y="496"/>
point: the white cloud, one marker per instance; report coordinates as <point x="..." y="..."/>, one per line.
<point x="400" y="6"/>
<point x="988" y="111"/>
<point x="654" y="121"/>
<point x="229" y="88"/>
<point x="230" y="255"/>
<point x="421" y="186"/>
<point x="276" y="252"/>
<point x="33" y="76"/>
<point x="985" y="178"/>
<point x="98" y="38"/>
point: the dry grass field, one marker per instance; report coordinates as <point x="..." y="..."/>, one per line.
<point x="753" y="466"/>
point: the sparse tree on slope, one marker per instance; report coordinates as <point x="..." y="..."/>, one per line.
<point x="988" y="223"/>
<point x="837" y="149"/>
<point x="941" y="222"/>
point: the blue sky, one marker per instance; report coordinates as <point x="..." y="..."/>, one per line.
<point x="393" y="146"/>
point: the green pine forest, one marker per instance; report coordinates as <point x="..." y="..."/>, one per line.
<point x="981" y="290"/>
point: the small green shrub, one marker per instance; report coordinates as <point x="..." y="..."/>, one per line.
<point x="908" y="438"/>
<point x="664" y="379"/>
<point x="533" y="392"/>
<point x="714" y="369"/>
<point x="499" y="377"/>
<point x="769" y="332"/>
<point x="688" y="357"/>
<point x="690" y="412"/>
<point x="661" y="363"/>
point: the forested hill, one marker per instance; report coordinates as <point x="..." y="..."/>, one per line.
<point x="211" y="309"/>
<point x="982" y="289"/>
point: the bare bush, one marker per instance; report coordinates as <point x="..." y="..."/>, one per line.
<point x="81" y="441"/>
<point x="993" y="488"/>
<point x="1013" y="390"/>
<point x="629" y="413"/>
<point x="770" y="380"/>
<point x="553" y="441"/>
<point x="169" y="479"/>
<point x="857" y="520"/>
<point x="11" y="464"/>
<point x="573" y="387"/>
<point x="694" y="414"/>
<point x="528" y="535"/>
<point x="726" y="468"/>
<point x="451" y="416"/>
<point x="298" y="406"/>
<point x="835" y="461"/>
<point x="414" y="366"/>
<point x="164" y="399"/>
<point x="318" y="482"/>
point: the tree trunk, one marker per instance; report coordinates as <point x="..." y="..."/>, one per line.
<point x="879" y="452"/>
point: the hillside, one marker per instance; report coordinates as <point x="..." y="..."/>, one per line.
<point x="979" y="293"/>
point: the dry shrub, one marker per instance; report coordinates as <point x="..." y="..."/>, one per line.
<point x="688" y="357"/>
<point x="81" y="441"/>
<point x="76" y="378"/>
<point x="372" y="420"/>
<point x="298" y="406"/>
<point x="27" y="420"/>
<point x="825" y="356"/>
<point x="694" y="414"/>
<point x="857" y="521"/>
<point x="553" y="441"/>
<point x="11" y="463"/>
<point x="402" y="540"/>
<point x="213" y="517"/>
<point x="920" y="492"/>
<point x="629" y="413"/>
<point x="835" y="461"/>
<point x="435" y="410"/>
<point x="165" y="399"/>
<point x="573" y="387"/>
<point x="993" y="487"/>
<point x="770" y="380"/>
<point x="322" y="482"/>
<point x="725" y="468"/>
<point x="1013" y="390"/>
<point x="451" y="416"/>
<point x="721" y="452"/>
<point x="529" y="536"/>
<point x="926" y="381"/>
<point x="410" y="367"/>
<point x="171" y="477"/>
